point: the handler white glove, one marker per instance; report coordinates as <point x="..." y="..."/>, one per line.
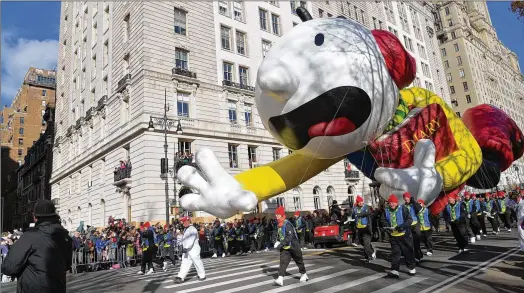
<point x="277" y="244"/>
<point x="219" y="193"/>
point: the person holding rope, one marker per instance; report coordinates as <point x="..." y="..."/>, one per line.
<point x="289" y="246"/>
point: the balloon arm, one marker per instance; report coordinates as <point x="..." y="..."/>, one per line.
<point x="457" y="167"/>
<point x="282" y="175"/>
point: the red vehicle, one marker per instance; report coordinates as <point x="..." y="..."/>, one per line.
<point x="328" y="235"/>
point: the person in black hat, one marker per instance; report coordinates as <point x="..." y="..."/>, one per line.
<point x="42" y="255"/>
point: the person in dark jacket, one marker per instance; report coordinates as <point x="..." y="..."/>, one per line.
<point x="218" y="239"/>
<point x="289" y="246"/>
<point x="456" y="212"/>
<point x="42" y="255"/>
<point x="148" y="249"/>
<point x="301" y="229"/>
<point x="492" y="209"/>
<point x="397" y="222"/>
<point x="361" y="215"/>
<point x="414" y="208"/>
<point x="335" y="209"/>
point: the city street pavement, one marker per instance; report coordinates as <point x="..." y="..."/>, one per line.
<point x="492" y="265"/>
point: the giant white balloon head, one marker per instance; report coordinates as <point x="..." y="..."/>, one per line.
<point x="324" y="89"/>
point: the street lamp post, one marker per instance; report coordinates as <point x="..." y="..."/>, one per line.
<point x="166" y="123"/>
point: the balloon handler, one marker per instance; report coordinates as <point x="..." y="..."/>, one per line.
<point x="289" y="246"/>
<point x="456" y="213"/>
<point x="190" y="253"/>
<point x="397" y="222"/>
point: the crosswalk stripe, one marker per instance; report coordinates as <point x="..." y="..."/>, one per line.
<point x="353" y="283"/>
<point x="271" y="281"/>
<point x="400" y="285"/>
<point x="257" y="263"/>
<point x="226" y="282"/>
<point x="311" y="281"/>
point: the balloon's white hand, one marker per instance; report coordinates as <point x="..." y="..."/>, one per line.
<point x="422" y="180"/>
<point x="218" y="192"/>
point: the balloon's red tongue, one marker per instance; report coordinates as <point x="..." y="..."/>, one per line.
<point x="338" y="126"/>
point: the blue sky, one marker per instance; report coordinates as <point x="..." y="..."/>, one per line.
<point x="30" y="38"/>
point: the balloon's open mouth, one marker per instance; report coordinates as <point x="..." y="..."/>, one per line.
<point x="336" y="112"/>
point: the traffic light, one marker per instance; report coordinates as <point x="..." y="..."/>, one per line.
<point x="163" y="165"/>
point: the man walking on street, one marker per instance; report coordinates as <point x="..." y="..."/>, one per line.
<point x="301" y="228"/>
<point x="148" y="249"/>
<point x="42" y="255"/>
<point x="414" y="209"/>
<point x="289" y="246"/>
<point x="218" y="239"/>
<point x="457" y="213"/>
<point x="397" y="221"/>
<point x="361" y="214"/>
<point x="425" y="228"/>
<point x="491" y="213"/>
<point x="190" y="253"/>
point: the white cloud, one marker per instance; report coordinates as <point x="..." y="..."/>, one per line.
<point x="18" y="54"/>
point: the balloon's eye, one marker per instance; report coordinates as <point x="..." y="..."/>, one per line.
<point x="319" y="39"/>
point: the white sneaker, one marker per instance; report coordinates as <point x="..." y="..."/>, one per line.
<point x="465" y="250"/>
<point x="304" y="278"/>
<point x="478" y="237"/>
<point x="223" y="255"/>
<point x="429" y="253"/>
<point x="472" y="240"/>
<point x="150" y="272"/>
<point x="485" y="235"/>
<point x="280" y="281"/>
<point x="393" y="273"/>
<point x="354" y="244"/>
<point x="214" y="255"/>
<point x="165" y="267"/>
<point x="266" y="250"/>
<point x="412" y="272"/>
<point x="461" y="250"/>
<point x="374" y="255"/>
<point x="509" y="230"/>
<point x="305" y="248"/>
<point x="140" y="272"/>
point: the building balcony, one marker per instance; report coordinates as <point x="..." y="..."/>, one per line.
<point x="234" y="85"/>
<point x="102" y="102"/>
<point x="212" y="127"/>
<point x="90" y="112"/>
<point x="69" y="131"/>
<point x="351" y="175"/>
<point x="79" y="122"/>
<point x="122" y="173"/>
<point x="123" y="83"/>
<point x="183" y="72"/>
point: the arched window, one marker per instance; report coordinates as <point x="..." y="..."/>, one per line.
<point x="351" y="195"/>
<point x="330" y="195"/>
<point x="297" y="202"/>
<point x="317" y="192"/>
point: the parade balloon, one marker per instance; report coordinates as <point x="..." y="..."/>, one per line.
<point x="331" y="89"/>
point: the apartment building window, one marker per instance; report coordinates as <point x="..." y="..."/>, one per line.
<point x="281" y="202"/>
<point x="248" y="115"/>
<point x="223" y="8"/>
<point x="410" y="45"/>
<point x="465" y="85"/>
<point x="181" y="60"/>
<point x="458" y="114"/>
<point x="44" y="93"/>
<point x="180" y="17"/>
<point x="380" y="24"/>
<point x="446" y="10"/>
<point x="106" y="18"/>
<point x="276" y="154"/>
<point x="20" y="152"/>
<point x="252" y="155"/>
<point x="127" y="27"/>
<point x="21" y="131"/>
<point x="356" y="12"/>
<point x="454" y="103"/>
<point x="374" y="22"/>
<point x="320" y="13"/>
<point x="275" y="20"/>
<point x="388" y="7"/>
<point x="417" y="81"/>
<point x="106" y="53"/>
<point x="459" y="60"/>
<point x="449" y="78"/>
<point x="452" y="89"/>
<point x="182" y="104"/>
<point x="233" y="156"/>
<point x="446" y="64"/>
<point x="94" y="34"/>
<point x="296" y="203"/>
<point x="468" y="99"/>
<point x="126" y="64"/>
<point x="266" y="45"/>
<point x="456" y="46"/>
<point x="461" y="73"/>
<point x="274" y="3"/>
<point x="243" y="73"/>
<point x="453" y="35"/>
<point x="294" y="24"/>
<point x="184" y="147"/>
<point x="241" y="42"/>
<point x="443" y="52"/>
<point x="295" y="4"/>
<point x="22" y="120"/>
<point x="225" y="34"/>
<point x="232" y="112"/>
<point x="93" y="67"/>
<point x="450" y="22"/>
<point x="238" y="10"/>
<point x="20" y="141"/>
<point x="263" y="19"/>
<point x="329" y="15"/>
<point x="228" y="71"/>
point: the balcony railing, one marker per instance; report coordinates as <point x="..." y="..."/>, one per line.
<point x="121" y="173"/>
<point x="69" y="131"/>
<point x="122" y="83"/>
<point x="102" y="102"/>
<point x="90" y="112"/>
<point x="351" y="174"/>
<point x="238" y="85"/>
<point x="184" y="72"/>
